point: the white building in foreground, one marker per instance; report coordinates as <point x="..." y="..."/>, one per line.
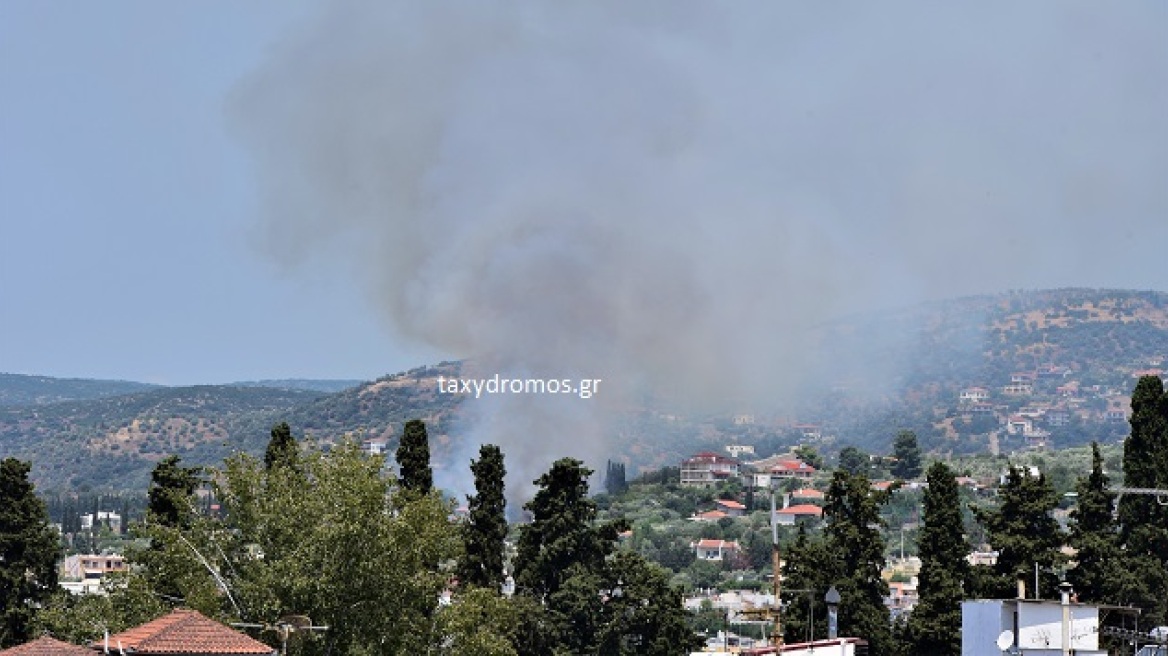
<point x="1036" y="627"/>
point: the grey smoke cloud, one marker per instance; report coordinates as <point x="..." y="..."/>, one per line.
<point x="668" y="194"/>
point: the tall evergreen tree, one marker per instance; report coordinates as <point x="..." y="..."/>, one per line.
<point x="413" y="456"/>
<point x="171" y="487"/>
<point x="908" y="455"/>
<point x="1143" y="522"/>
<point x="560" y="535"/>
<point x="854" y="540"/>
<point x="485" y="530"/>
<point x="854" y="461"/>
<point x="1024" y="532"/>
<point x="28" y="553"/>
<point x="935" y="624"/>
<point x="1093" y="536"/>
<point x="809" y="568"/>
<point x="282" y="447"/>
<point x="592" y="603"/>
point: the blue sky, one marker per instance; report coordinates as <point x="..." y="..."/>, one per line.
<point x="656" y="190"/>
<point x="126" y="245"/>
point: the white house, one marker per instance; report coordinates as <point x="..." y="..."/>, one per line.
<point x="715" y="549"/>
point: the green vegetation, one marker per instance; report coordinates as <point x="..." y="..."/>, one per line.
<point x="28" y="553"/>
<point x="934" y="626"/>
<point x="485" y="532"/>
<point x="413" y="457"/>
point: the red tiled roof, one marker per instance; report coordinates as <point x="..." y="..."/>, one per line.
<point x="802" y="509"/>
<point x="792" y="465"/>
<point x="46" y="646"/>
<point x="807" y="493"/>
<point x="712" y="514"/>
<point x="717" y="544"/>
<point x="185" y="632"/>
<point x="730" y="504"/>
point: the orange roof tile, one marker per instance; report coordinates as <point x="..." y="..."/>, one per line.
<point x="46" y="646"/>
<point x="185" y="632"/>
<point x="802" y="509"/>
<point x="730" y="504"/>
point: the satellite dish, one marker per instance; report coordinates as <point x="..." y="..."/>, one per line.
<point x="1006" y="640"/>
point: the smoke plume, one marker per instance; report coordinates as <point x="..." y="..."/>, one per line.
<point x="668" y="195"/>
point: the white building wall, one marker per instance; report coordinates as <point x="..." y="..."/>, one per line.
<point x="981" y="624"/>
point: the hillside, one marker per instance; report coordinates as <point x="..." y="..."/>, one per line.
<point x="19" y="389"/>
<point x="114" y="441"/>
<point x="1019" y="371"/>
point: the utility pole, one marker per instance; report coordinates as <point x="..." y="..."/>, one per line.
<point x="777" y="631"/>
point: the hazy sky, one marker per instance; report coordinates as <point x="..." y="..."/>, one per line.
<point x="155" y="156"/>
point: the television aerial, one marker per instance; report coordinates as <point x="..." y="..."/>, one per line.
<point x="286" y="627"/>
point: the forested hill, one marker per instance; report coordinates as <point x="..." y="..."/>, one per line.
<point x="19" y="389"/>
<point x="1055" y="368"/>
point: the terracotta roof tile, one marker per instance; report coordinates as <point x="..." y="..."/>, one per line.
<point x="185" y="632"/>
<point x="46" y="646"/>
<point x="802" y="509"/>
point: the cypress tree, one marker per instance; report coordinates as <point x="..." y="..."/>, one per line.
<point x="282" y="448"/>
<point x="413" y="456"/>
<point x="935" y="624"/>
<point x="28" y="553"/>
<point x="485" y="530"/>
<point x="1024" y="531"/>
<point x="171" y="487"/>
<point x="560" y="536"/>
<point x="807" y="565"/>
<point x="1143" y="522"/>
<point x="855" y="542"/>
<point x="908" y="455"/>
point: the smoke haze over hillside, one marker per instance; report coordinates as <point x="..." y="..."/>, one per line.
<point x="666" y="195"/>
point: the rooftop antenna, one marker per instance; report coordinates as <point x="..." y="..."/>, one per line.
<point x="285" y="627"/>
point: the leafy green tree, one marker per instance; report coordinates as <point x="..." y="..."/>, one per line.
<point x="809" y="455"/>
<point x="1024" y="532"/>
<point x="1143" y="523"/>
<point x="908" y="456"/>
<point x="282" y="447"/>
<point x="28" y="553"/>
<point x="339" y="545"/>
<point x="413" y="456"/>
<point x="854" y="540"/>
<point x="854" y="461"/>
<point x="171" y="488"/>
<point x="481" y="623"/>
<point x="641" y="613"/>
<point x="485" y="531"/>
<point x="935" y="624"/>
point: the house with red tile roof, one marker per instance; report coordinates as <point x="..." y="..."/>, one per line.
<point x="791" y="514"/>
<point x="792" y="469"/>
<point x="709" y="516"/>
<point x="46" y="646"/>
<point x="803" y="496"/>
<point x="730" y="507"/>
<point x="706" y="469"/>
<point x="714" y="549"/>
<point x="183" y="633"/>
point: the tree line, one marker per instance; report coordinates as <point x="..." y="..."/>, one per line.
<point x="375" y="555"/>
<point x="1120" y="551"/>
